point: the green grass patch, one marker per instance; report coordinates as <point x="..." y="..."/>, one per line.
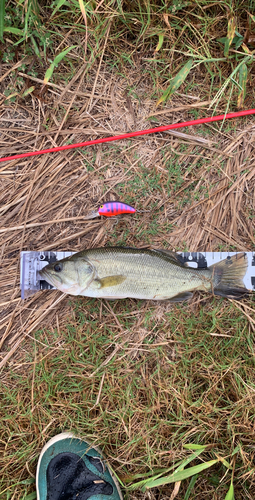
<point x="173" y="40"/>
<point x="169" y="379"/>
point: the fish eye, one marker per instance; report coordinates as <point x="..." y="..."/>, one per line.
<point x="101" y="206"/>
<point x="58" y="267"/>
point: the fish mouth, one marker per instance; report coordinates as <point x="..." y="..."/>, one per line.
<point x="52" y="280"/>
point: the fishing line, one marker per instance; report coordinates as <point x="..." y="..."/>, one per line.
<point x="132" y="134"/>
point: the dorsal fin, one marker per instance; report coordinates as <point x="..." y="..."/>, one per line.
<point x="174" y="257"/>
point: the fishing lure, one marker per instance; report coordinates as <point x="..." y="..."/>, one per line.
<point x="112" y="209"/>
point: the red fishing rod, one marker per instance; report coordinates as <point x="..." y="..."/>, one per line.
<point x="132" y="134"/>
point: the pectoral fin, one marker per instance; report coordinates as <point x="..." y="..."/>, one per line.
<point x="181" y="297"/>
<point x="109" y="281"/>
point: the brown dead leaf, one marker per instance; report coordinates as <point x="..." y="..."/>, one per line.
<point x="165" y="17"/>
<point x="175" y="490"/>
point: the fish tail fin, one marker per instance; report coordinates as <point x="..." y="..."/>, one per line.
<point x="228" y="277"/>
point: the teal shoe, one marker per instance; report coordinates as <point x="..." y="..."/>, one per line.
<point x="71" y="469"/>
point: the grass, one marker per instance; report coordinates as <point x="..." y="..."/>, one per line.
<point x="179" y="377"/>
<point x="147" y="382"/>
<point x="214" y="37"/>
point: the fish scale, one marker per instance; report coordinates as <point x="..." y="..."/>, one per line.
<point x="139" y="282"/>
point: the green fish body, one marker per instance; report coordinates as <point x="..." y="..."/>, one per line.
<point x="118" y="273"/>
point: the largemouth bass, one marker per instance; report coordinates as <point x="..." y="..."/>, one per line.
<point x="118" y="273"/>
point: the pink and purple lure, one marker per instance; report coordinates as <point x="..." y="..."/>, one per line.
<point x="111" y="209"/>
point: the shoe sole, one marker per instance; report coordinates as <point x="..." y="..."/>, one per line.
<point x="70" y="435"/>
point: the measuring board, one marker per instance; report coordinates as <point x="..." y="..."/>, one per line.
<point x="32" y="262"/>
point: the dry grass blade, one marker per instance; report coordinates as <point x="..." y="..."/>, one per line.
<point x="221" y="216"/>
<point x="175" y="490"/>
<point x="31" y="326"/>
<point x="179" y="108"/>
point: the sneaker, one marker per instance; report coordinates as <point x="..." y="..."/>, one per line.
<point x="71" y="469"/>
